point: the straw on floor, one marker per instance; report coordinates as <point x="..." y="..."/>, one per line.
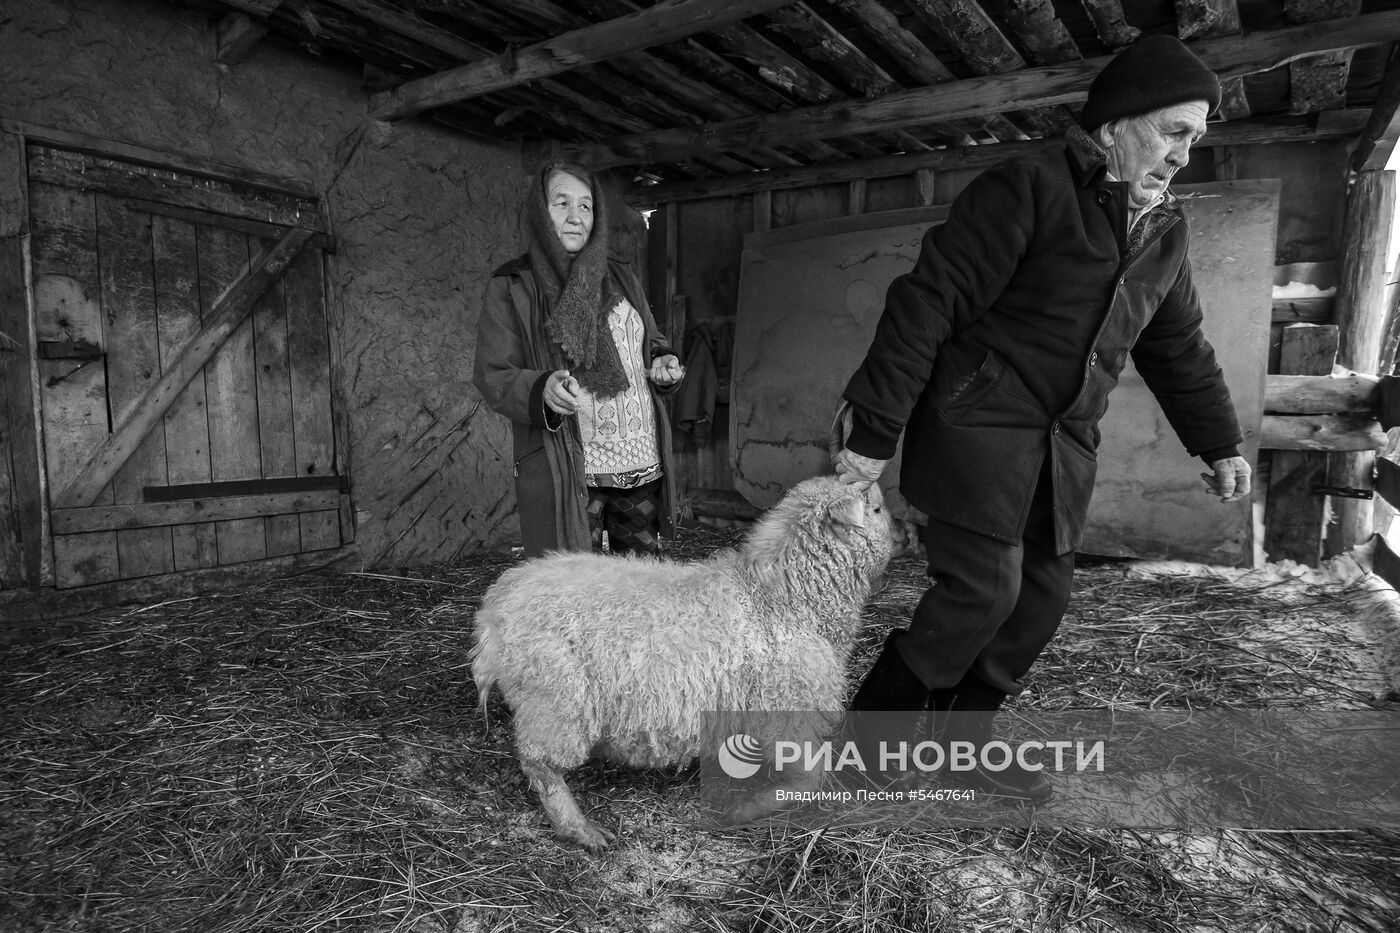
<point x="310" y="755"/>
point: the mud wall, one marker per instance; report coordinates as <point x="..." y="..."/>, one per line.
<point x="420" y="217"/>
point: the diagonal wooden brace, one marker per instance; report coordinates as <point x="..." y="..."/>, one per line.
<point x="228" y="312"/>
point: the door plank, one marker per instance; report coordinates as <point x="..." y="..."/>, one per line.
<point x="73" y="397"/>
<point x="133" y="365"/>
<point x="274" y="397"/>
<point x="229" y="386"/>
<point x="308" y="349"/>
<point x="221" y="319"/>
<point x="185" y="423"/>
<point x="155" y="514"/>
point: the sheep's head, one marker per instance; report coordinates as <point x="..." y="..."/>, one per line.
<point x="826" y="528"/>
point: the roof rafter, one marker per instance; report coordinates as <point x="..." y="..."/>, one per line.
<point x="1068" y="83"/>
<point x="665" y="22"/>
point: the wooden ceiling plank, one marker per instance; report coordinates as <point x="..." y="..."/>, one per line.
<point x="910" y="52"/>
<point x="665" y="22"/>
<point x="1319" y="82"/>
<point x="966" y="27"/>
<point x="1377" y="141"/>
<point x="820" y="42"/>
<point x="1276" y="129"/>
<point x="1040" y="30"/>
<point x="1110" y="23"/>
<point x="1206" y="19"/>
<point x="1232" y="56"/>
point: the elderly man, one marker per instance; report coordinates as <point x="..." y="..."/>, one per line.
<point x="995" y="356"/>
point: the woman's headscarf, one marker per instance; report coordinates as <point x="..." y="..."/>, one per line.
<point x="577" y="288"/>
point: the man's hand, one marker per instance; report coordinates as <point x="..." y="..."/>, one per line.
<point x="561" y="392"/>
<point x="666" y="370"/>
<point x="855" y="470"/>
<point x="1231" y="479"/>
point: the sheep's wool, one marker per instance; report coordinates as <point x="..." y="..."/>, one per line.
<point x="623" y="656"/>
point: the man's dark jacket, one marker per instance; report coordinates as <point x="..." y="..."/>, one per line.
<point x="1004" y="341"/>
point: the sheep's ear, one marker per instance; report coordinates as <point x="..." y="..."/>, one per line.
<point x="845" y="515"/>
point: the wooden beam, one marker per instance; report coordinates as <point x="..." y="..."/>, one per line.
<point x="1329" y="433"/>
<point x="1040" y="30"/>
<point x="667" y="21"/>
<point x="1206" y="19"/>
<point x="1270" y="130"/>
<point x="238" y="34"/>
<point x="1319" y="82"/>
<point x="1377" y="140"/>
<point x="1066" y="83"/>
<point x="1293" y="513"/>
<point x="1110" y="23"/>
<point x="1360" y="313"/>
<point x="227" y="313"/>
<point x="820" y="42"/>
<point x="965" y="26"/>
<point x="23" y="519"/>
<point x="1319" y="394"/>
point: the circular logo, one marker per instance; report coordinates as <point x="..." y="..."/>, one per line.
<point x="741" y="756"/>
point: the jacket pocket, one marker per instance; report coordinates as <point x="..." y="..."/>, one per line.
<point x="966" y="391"/>
<point x="524" y="460"/>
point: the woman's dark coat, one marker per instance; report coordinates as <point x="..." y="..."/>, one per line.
<point x="1002" y="345"/>
<point x="514" y="357"/>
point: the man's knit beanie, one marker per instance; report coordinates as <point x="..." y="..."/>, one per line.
<point x="1154" y="72"/>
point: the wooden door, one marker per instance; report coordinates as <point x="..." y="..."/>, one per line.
<point x="131" y="268"/>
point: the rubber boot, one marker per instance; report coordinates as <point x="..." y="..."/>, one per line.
<point x="897" y="694"/>
<point x="974" y="706"/>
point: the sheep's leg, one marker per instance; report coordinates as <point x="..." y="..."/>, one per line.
<point x="569" y="822"/>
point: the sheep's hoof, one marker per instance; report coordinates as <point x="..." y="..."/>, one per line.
<point x="589" y="835"/>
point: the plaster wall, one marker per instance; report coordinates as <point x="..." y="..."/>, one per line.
<point x="420" y="216"/>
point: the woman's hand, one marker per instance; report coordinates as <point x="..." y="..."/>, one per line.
<point x="666" y="370"/>
<point x="561" y="392"/>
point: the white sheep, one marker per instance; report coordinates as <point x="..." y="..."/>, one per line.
<point x="622" y="657"/>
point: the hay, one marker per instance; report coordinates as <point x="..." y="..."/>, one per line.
<point x="310" y="755"/>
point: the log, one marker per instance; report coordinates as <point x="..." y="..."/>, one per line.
<point x="1319" y="82"/>
<point x="1040" y="31"/>
<point x="665" y="22"/>
<point x="1329" y="433"/>
<point x="1205" y="19"/>
<point x="1377" y="140"/>
<point x="1360" y="313"/>
<point x="1051" y="85"/>
<point x="1293" y="513"/>
<point x="1110" y="23"/>
<point x="1284" y="129"/>
<point x="820" y="42"/>
<point x="1318" y="395"/>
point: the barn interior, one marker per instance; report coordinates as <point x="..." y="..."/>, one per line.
<point x="243" y="245"/>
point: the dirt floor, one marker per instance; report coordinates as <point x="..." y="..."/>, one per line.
<point x="310" y="755"/>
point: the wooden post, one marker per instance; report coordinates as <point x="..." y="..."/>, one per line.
<point x="1293" y="515"/>
<point x="1360" y="315"/>
<point x="762" y="211"/>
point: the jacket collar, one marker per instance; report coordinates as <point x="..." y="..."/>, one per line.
<point x="1089" y="163"/>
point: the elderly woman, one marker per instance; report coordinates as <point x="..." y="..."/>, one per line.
<point x="567" y="350"/>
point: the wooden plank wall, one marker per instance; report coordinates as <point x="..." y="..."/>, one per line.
<point x="708" y="240"/>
